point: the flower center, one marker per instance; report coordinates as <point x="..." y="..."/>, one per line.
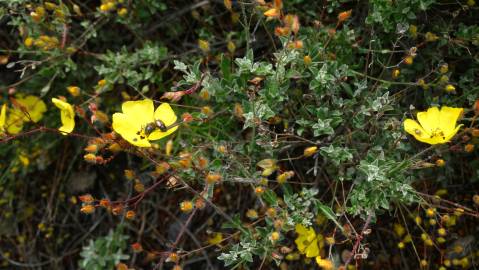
<point x="140" y="135"/>
<point x="438" y="133"/>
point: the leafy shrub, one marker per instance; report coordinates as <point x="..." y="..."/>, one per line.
<point x="239" y="134"/>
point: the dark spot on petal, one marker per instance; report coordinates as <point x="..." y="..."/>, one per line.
<point x="137" y="133"/>
<point x="142" y="137"/>
<point x="135" y="139"/>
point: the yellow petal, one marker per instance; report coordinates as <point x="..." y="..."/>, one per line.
<point x="3" y="117"/>
<point x="141" y="110"/>
<point x="129" y="129"/>
<point x="215" y="239"/>
<point x="165" y="113"/>
<point x="34" y="106"/>
<point x="300" y="229"/>
<point x="412" y="127"/>
<point x="267" y="163"/>
<point x="430" y="120"/>
<point x="312" y="250"/>
<point x="448" y="119"/>
<point x="14" y="121"/>
<point x="273" y="12"/>
<point x="300" y="243"/>
<point x="448" y="136"/>
<point x="67" y="115"/>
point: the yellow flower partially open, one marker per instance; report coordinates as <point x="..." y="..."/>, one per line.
<point x="136" y="115"/>
<point x="34" y="106"/>
<point x="67" y="114"/>
<point x="14" y="121"/>
<point x="3" y="117"/>
<point x="308" y="242"/>
<point x="30" y="108"/>
<point x="435" y="125"/>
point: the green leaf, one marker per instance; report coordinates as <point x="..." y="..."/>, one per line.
<point x="329" y="214"/>
<point x="270" y="197"/>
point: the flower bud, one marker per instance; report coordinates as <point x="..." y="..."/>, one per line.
<point x="136" y="247"/>
<point x="272" y="13"/>
<point x="274" y="236"/>
<point x="476" y="107"/>
<point x="173" y="96"/>
<point x="122" y="12"/>
<point x="252" y="214"/>
<point x="204" y="94"/>
<point x="450" y="88"/>
<point x="186" y="206"/>
<point x="212" y="178"/>
<point x="343" y="16"/>
<point x="200" y="203"/>
<point x="104" y="203"/>
<point x="307" y="60"/>
<point x="73" y="90"/>
<point x="90" y="158"/>
<point x="231" y="47"/>
<point x="309" y="151"/>
<point x="431" y="37"/>
<point x="475" y="199"/>
<point x="129" y="174"/>
<point x="88" y="209"/>
<point x="173" y="257"/>
<point x="207" y="111"/>
<point x="408" y="60"/>
<point x="117" y="209"/>
<point x="204" y="45"/>
<point x="469" y="148"/>
<point x="440" y="163"/>
<point x="87" y="198"/>
<point x="139" y="187"/>
<point x="395" y="73"/>
<point x="130" y="214"/>
<point x="413" y="30"/>
<point x="187" y="117"/>
<point x="259" y="190"/>
<point x="282" y="178"/>
<point x="91" y="148"/>
<point x="443" y="68"/>
<point x="169" y="147"/>
<point x="101" y="83"/>
<point x="201" y="162"/>
<point x="282" y="31"/>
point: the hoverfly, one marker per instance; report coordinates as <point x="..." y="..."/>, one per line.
<point x="158" y="124"/>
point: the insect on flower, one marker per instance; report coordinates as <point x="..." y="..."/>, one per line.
<point x="158" y="124"/>
<point x="140" y="123"/>
<point x="434" y="126"/>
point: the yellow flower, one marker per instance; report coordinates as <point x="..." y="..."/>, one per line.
<point x="122" y="12"/>
<point x="307" y="241"/>
<point x="34" y="106"/>
<point x="14" y="121"/>
<point x="204" y="45"/>
<point x="435" y="125"/>
<point x="136" y="115"/>
<point x="310" y="151"/>
<point x="3" y="117"/>
<point x="67" y="115"/>
<point x="215" y="239"/>
<point x="343" y="16"/>
<point x="272" y="13"/>
<point x="28" y="108"/>
<point x="74" y="90"/>
<point x="324" y="263"/>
